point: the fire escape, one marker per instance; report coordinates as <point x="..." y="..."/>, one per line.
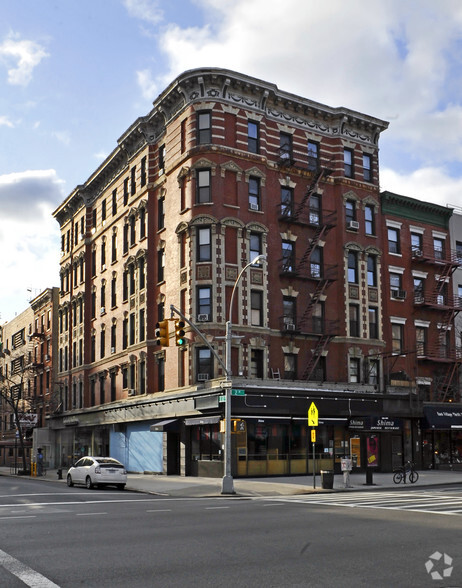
<point x="308" y="212"/>
<point x="442" y="299"/>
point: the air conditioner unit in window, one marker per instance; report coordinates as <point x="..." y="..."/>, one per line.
<point x="253" y="206"/>
<point x="103" y="311"/>
<point x="112" y="349"/>
<point x="354" y="225"/>
<point x="399" y="294"/>
<point x="290" y="327"/>
<point x="417" y="253"/>
<point x="202" y="318"/>
<point x="202" y="377"/>
<point x="131" y="392"/>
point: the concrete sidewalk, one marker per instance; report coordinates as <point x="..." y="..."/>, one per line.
<point x="192" y="487"/>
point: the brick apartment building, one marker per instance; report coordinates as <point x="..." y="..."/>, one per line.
<point x="224" y="168"/>
<point x="28" y="367"/>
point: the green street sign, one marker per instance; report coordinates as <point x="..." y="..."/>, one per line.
<point x="222" y="399"/>
<point x="237" y="392"/>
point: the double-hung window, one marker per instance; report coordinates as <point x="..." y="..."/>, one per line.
<point x="421" y="340"/>
<point x="289" y="310"/>
<point x="316" y="263"/>
<point x="204" y="364"/>
<point x="373" y="322"/>
<point x="352" y="267"/>
<point x="372" y="271"/>
<point x="354" y="320"/>
<point x="348" y="163"/>
<point x="253" y="136"/>
<point x="369" y="218"/>
<point x="397" y="341"/>
<point x="396" y="287"/>
<point x="438" y="248"/>
<point x="204" y="127"/>
<point x="203" y="186"/>
<point x="204" y="303"/>
<point x="256" y="308"/>
<point x="254" y="193"/>
<point x="287" y="201"/>
<point x="288" y="256"/>
<point x="350" y="212"/>
<point x="367" y="167"/>
<point x="204" y="248"/>
<point x="255" y="246"/>
<point x="355" y="367"/>
<point x="285" y="147"/>
<point x="315" y="209"/>
<point x="313" y="156"/>
<point x="394" y="240"/>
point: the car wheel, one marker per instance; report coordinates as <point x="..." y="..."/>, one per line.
<point x="120" y="486"/>
<point x="69" y="481"/>
<point x="88" y="483"/>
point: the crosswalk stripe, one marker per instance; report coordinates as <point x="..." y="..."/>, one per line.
<point x="427" y="502"/>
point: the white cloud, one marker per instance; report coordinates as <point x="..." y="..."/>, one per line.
<point x="392" y="62"/>
<point x="147" y="10"/>
<point x="429" y="184"/>
<point x="29" y="236"/>
<point x="149" y="87"/>
<point x="6" y="122"/>
<point x="62" y="136"/>
<point x="23" y="195"/>
<point x="20" y="57"/>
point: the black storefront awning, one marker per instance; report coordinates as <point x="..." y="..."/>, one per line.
<point x="442" y="417"/>
<point x="168" y="425"/>
<point x="205" y="420"/>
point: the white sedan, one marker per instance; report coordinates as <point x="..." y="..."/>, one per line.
<point x="97" y="471"/>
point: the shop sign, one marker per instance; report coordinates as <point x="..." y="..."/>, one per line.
<point x="70" y="421"/>
<point x="28" y="419"/>
<point x="373" y="423"/>
<point x="385" y="424"/>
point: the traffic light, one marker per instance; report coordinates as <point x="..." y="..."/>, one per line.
<point x="179" y="333"/>
<point x="162" y="333"/>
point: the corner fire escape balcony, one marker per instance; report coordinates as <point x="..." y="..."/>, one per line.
<point x="438" y="353"/>
<point x="307" y="216"/>
<point x="428" y="254"/>
<point x="438" y="301"/>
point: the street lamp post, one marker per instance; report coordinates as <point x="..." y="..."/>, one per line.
<point x="227" y="486"/>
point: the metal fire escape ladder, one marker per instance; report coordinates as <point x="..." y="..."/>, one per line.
<point x="320" y="232"/>
<point x="319" y="291"/>
<point x="316" y="356"/>
<point x="322" y="172"/>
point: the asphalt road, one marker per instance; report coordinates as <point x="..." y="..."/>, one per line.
<point x="51" y="535"/>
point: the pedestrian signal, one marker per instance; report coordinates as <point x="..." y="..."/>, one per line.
<point x="180" y="339"/>
<point x="162" y="333"/>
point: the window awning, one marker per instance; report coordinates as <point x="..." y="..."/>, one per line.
<point x="442" y="417"/>
<point x="169" y="425"/>
<point x="205" y="420"/>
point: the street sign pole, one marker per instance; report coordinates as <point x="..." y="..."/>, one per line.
<point x="313" y="437"/>
<point x="313" y="422"/>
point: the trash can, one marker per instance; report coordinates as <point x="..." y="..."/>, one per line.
<point x="327" y="479"/>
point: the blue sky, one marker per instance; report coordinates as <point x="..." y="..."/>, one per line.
<point x="74" y="74"/>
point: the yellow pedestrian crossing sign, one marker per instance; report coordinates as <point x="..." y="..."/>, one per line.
<point x="313" y="415"/>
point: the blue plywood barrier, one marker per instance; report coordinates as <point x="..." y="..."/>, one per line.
<point x="139" y="449"/>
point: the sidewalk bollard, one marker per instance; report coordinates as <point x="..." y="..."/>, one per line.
<point x="60" y="473"/>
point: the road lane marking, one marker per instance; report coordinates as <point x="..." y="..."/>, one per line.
<point x="160" y="510"/>
<point x="19" y="517"/>
<point x="215" y="507"/>
<point x="26" y="574"/>
<point x="89" y="514"/>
